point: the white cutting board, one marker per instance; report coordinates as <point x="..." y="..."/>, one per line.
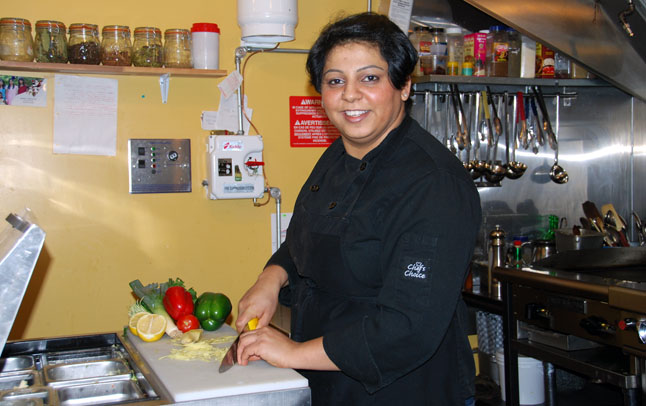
<point x="195" y="380"/>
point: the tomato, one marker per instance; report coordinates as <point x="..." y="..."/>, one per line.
<point x="188" y="322"/>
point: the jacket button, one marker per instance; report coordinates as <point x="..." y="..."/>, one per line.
<point x="332" y="205"/>
<point x="314" y="188"/>
<point x="363" y="166"/>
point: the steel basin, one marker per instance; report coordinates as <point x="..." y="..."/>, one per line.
<point x="17" y="363"/>
<point x="15" y="380"/>
<point x="109" y="391"/>
<point x="29" y="397"/>
<point x="65" y="373"/>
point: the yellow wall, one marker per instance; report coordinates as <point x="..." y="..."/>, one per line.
<point x="100" y="237"/>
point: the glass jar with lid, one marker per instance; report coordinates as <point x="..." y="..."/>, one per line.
<point x="116" y="48"/>
<point x="177" y="48"/>
<point x="50" y="41"/>
<point x="83" y="46"/>
<point x="15" y="40"/>
<point x="147" y="48"/>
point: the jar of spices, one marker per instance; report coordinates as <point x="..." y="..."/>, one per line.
<point x="497" y="51"/>
<point x="50" y="41"/>
<point x="421" y="40"/>
<point x="83" y="46"/>
<point x="15" y="40"/>
<point x="177" y="48"/>
<point x="439" y="53"/>
<point x="147" y="48"/>
<point x="116" y="48"/>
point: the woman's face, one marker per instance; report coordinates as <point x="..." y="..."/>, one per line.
<point x="359" y="98"/>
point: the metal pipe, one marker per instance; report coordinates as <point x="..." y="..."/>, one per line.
<point x="275" y="193"/>
<point x="240" y="53"/>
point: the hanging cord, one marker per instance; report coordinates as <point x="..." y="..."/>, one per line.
<point x="264" y="170"/>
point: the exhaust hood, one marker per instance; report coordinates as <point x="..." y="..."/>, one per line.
<point x="590" y="32"/>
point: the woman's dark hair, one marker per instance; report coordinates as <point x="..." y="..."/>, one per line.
<point x="369" y="28"/>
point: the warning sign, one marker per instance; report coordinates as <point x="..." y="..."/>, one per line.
<point x="310" y="126"/>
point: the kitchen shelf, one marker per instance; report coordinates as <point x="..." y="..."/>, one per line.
<point x="110" y="70"/>
<point x="423" y="81"/>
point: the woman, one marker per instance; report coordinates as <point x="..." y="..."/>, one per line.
<point x="22" y="87"/>
<point x="11" y="90"/>
<point x="379" y="243"/>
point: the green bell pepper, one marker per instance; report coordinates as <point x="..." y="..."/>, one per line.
<point x="212" y="310"/>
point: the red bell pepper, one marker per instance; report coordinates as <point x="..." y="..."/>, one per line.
<point x="178" y="302"/>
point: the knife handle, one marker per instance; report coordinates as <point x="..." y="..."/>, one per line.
<point x="252" y="324"/>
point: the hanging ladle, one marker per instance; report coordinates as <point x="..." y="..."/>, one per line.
<point x="497" y="170"/>
<point x="557" y="173"/>
<point x="515" y="169"/>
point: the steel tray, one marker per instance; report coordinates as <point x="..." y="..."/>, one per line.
<point x="65" y="374"/>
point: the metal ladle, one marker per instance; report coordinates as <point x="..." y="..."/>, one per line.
<point x="515" y="169"/>
<point x="557" y="173"/>
<point x="497" y="170"/>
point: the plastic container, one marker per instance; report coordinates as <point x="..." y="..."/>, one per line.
<point x="562" y="66"/>
<point x="544" y="61"/>
<point x="436" y="64"/>
<point x="83" y="46"/>
<point x="116" y="48"/>
<point x="497" y="51"/>
<point x="147" y="49"/>
<point x="16" y="43"/>
<point x="177" y="48"/>
<point x="530" y="379"/>
<point x="513" y="60"/>
<point x="527" y="57"/>
<point x="267" y="21"/>
<point x="467" y="69"/>
<point x="205" y="46"/>
<point x="421" y="40"/>
<point x="455" y="44"/>
<point x="50" y="41"/>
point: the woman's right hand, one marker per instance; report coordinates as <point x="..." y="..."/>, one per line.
<point x="262" y="298"/>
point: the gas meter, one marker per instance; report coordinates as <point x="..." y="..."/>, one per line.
<point x="235" y="167"/>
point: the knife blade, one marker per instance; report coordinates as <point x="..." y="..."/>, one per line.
<point x="231" y="357"/>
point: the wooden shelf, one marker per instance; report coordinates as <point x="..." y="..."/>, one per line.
<point x="110" y="70"/>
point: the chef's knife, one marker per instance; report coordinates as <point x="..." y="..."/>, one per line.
<point x="231" y="357"/>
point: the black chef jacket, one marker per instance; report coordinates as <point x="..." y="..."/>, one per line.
<point x="376" y="255"/>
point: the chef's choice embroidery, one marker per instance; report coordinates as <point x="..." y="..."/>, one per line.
<point x="414" y="269"/>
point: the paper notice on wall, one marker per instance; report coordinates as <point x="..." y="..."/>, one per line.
<point x="400" y="12"/>
<point x="85" y="115"/>
<point x="226" y="118"/>
<point x="285" y="218"/>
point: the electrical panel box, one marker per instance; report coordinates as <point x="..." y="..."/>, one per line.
<point x="235" y="167"/>
<point x="159" y="165"/>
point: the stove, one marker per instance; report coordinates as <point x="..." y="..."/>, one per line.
<point x="594" y="300"/>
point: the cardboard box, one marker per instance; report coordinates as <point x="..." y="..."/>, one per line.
<point x="475" y="51"/>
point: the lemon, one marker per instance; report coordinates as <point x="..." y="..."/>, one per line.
<point x="132" y="323"/>
<point x="151" y="327"/>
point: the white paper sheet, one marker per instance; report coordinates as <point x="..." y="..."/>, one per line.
<point x="85" y="115"/>
<point x="228" y="114"/>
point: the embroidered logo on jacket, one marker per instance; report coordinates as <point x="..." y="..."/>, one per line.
<point x="415" y="270"/>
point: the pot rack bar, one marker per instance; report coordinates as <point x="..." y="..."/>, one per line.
<point x="528" y="92"/>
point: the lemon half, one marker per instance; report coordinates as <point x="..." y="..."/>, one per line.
<point x="151" y="327"/>
<point x="132" y="323"/>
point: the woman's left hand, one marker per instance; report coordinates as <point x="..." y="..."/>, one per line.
<point x="268" y="344"/>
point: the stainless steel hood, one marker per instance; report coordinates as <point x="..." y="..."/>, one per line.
<point x="589" y="31"/>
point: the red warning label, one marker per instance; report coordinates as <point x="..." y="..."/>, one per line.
<point x="310" y="126"/>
